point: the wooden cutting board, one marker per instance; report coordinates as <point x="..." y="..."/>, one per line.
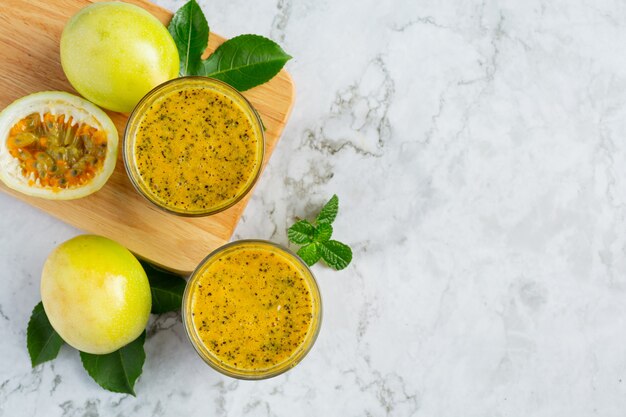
<point x="30" y="32"/>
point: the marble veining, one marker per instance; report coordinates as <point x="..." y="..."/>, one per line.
<point x="477" y="150"/>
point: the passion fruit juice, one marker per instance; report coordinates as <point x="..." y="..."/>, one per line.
<point x="197" y="146"/>
<point x="252" y="309"/>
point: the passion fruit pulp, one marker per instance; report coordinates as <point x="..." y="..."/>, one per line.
<point x="57" y="152"/>
<point x="55" y="145"/>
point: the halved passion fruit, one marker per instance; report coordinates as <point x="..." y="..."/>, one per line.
<point x="56" y="145"/>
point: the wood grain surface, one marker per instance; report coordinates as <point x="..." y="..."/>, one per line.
<point x="30" y="32"/>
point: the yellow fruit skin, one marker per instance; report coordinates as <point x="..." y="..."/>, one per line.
<point x="95" y="294"/>
<point x="113" y="53"/>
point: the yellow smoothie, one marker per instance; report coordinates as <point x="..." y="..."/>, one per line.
<point x="197" y="147"/>
<point x="253" y="307"/>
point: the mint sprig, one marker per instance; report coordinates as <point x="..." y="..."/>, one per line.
<point x="315" y="238"/>
<point x="244" y="61"/>
<point x="117" y="371"/>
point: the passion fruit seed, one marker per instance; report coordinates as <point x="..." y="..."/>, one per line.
<point x="58" y="152"/>
<point x="25" y="139"/>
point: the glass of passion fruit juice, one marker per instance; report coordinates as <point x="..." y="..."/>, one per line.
<point x="193" y="146"/>
<point x="252" y="309"/>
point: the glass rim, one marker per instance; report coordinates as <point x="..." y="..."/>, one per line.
<point x="133" y="118"/>
<point x="298" y="354"/>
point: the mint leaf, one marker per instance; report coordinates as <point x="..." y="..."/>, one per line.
<point x="42" y="341"/>
<point x="310" y="253"/>
<point x="301" y="232"/>
<point x="335" y="254"/>
<point x="166" y="289"/>
<point x="323" y="232"/>
<point x="329" y="211"/>
<point x="316" y="239"/>
<point x="190" y="31"/>
<point x="119" y="370"/>
<point x="245" y="61"/>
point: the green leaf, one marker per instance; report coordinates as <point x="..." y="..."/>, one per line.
<point x="335" y="254"/>
<point x="301" y="232"/>
<point x="42" y="341"/>
<point x="190" y="31"/>
<point x="319" y="246"/>
<point x="310" y="253"/>
<point x="119" y="370"/>
<point x="166" y="288"/>
<point x="245" y="61"/>
<point x="329" y="211"/>
<point x="323" y="232"/>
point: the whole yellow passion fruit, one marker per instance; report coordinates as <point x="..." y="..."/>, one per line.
<point x="113" y="53"/>
<point x="95" y="294"/>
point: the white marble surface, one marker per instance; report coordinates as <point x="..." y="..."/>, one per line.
<point x="478" y="152"/>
